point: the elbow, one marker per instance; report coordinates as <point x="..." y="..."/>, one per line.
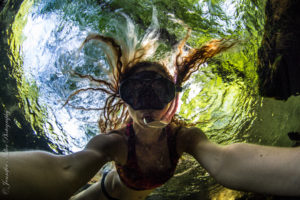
<point x="212" y="158"/>
<point x="78" y="168"/>
<point x="66" y="180"/>
<point x="225" y="172"/>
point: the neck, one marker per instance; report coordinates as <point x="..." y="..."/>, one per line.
<point x="147" y="135"/>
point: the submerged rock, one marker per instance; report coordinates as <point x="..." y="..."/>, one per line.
<point x="279" y="59"/>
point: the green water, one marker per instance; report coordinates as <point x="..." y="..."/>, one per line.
<point x="41" y="40"/>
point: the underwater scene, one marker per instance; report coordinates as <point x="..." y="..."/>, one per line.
<point x="236" y="96"/>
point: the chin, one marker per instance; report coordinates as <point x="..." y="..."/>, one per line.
<point x="151" y="118"/>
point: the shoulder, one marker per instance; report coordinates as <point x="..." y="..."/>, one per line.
<point x="113" y="143"/>
<point x="107" y="139"/>
<point x="188" y="138"/>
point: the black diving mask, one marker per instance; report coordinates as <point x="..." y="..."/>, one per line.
<point x="147" y="90"/>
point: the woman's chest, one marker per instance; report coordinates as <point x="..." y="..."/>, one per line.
<point x="154" y="157"/>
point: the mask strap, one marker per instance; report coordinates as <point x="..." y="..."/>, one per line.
<point x="172" y="109"/>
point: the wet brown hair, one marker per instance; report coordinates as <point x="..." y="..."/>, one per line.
<point x="125" y="59"/>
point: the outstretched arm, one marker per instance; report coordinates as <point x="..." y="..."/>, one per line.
<point x="41" y="175"/>
<point x="248" y="167"/>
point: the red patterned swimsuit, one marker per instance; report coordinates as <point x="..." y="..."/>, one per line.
<point x="131" y="174"/>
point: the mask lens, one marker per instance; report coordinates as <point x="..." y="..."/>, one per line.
<point x="129" y="91"/>
<point x="147" y="90"/>
<point x="164" y="89"/>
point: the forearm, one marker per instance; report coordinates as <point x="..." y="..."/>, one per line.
<point x="248" y="167"/>
<point x="263" y="169"/>
<point x="41" y="175"/>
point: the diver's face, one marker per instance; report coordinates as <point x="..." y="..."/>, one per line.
<point x="146" y="116"/>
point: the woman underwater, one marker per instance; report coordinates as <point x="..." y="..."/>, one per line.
<point x="144" y="137"/>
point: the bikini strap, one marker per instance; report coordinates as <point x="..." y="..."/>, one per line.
<point x="172" y="145"/>
<point x="103" y="189"/>
<point x="131" y="157"/>
<point x="128" y="129"/>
